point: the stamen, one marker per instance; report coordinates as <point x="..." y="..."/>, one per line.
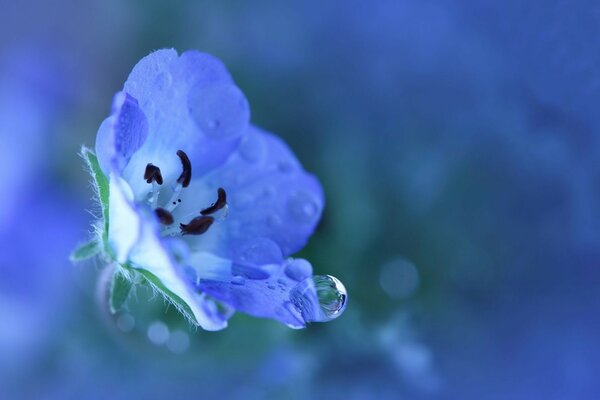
<point x="196" y="226"/>
<point x="152" y="174"/>
<point x="165" y="217"/>
<point x="174" y="200"/>
<point x="219" y="204"/>
<point x="186" y="175"/>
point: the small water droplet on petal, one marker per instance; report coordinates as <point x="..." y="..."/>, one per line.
<point x="273" y="220"/>
<point x="252" y="148"/>
<point x="261" y="251"/>
<point x="304" y="207"/>
<point x="285" y="166"/>
<point x="163" y="81"/>
<point x="238" y="280"/>
<point x="269" y="191"/>
<point x="220" y="110"/>
<point x="298" y="269"/>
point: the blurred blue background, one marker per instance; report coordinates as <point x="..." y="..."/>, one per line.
<point x="458" y="145"/>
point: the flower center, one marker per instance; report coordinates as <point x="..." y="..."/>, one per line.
<point x="200" y="221"/>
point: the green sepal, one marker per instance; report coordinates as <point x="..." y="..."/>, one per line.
<point x="120" y="287"/>
<point x="171" y="297"/>
<point x="86" y="251"/>
<point x="102" y="189"/>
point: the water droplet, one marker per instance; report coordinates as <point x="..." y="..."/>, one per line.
<point x="148" y="106"/>
<point x="285" y="166"/>
<point x="261" y="251"/>
<point x="269" y="191"/>
<point x="219" y="109"/>
<point x="163" y="81"/>
<point x="293" y="311"/>
<point x="320" y="298"/>
<point x="298" y="269"/>
<point x="214" y="309"/>
<point x="252" y="148"/>
<point x="238" y="280"/>
<point x="304" y="207"/>
<point x="273" y="220"/>
<point x="201" y="67"/>
<point x="158" y="333"/>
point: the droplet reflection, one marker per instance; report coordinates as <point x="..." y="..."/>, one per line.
<point x="319" y="298"/>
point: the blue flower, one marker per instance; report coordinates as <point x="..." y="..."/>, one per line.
<point x="204" y="205"/>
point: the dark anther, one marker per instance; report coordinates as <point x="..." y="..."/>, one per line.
<point x="164" y="216"/>
<point x="152" y="173"/>
<point x="186" y="175"/>
<point x="220" y="203"/>
<point x="197" y="226"/>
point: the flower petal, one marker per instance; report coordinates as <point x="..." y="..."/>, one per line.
<point x="150" y="255"/>
<point x="266" y="298"/>
<point x="269" y="194"/>
<point x="124" y="226"/>
<point x="121" y="134"/>
<point x="192" y="105"/>
<point x="135" y="240"/>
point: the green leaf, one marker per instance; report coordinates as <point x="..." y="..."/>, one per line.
<point x="86" y="251"/>
<point x="101" y="186"/>
<point x="120" y="287"/>
<point x="171" y="297"/>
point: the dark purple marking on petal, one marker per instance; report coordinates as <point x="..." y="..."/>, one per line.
<point x="186" y="174"/>
<point x="197" y="226"/>
<point x="219" y="204"/>
<point x="164" y="216"/>
<point x="152" y="173"/>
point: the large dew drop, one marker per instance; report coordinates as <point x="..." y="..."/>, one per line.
<point x="319" y="298"/>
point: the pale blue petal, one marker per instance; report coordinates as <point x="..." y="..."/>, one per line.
<point x="124" y="221"/>
<point x="150" y="254"/>
<point x="135" y="240"/>
<point x="121" y="134"/>
<point x="268" y="297"/>
<point x="191" y="104"/>
<point x="269" y="195"/>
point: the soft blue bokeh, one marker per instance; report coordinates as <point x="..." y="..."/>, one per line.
<point x="457" y="145"/>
